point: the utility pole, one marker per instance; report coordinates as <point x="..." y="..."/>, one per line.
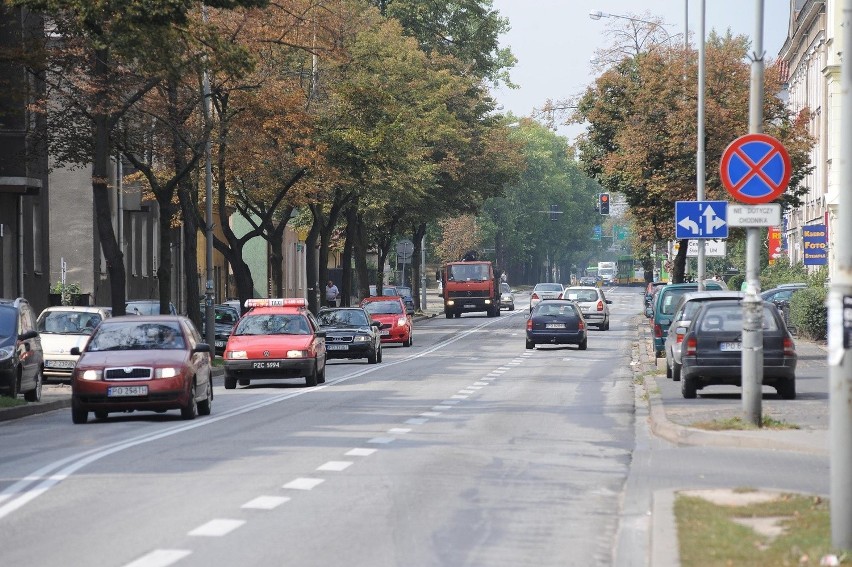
<point x="209" y="312"/>
<point x="840" y="314"/>
<point x="700" y="160"/>
<point x="752" y="358"/>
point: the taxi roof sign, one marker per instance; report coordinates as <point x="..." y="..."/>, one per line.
<point x="277" y="302"/>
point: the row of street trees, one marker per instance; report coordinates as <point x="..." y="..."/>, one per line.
<point x="363" y="120"/>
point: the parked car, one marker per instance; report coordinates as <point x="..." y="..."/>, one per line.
<point x="62" y="328"/>
<point x="712" y="349"/>
<point x="21" y="359"/>
<point x="387" y="290"/>
<point x="650" y="291"/>
<point x="556" y="322"/>
<point x="276" y="338"/>
<point x="592" y="302"/>
<point x="351" y="333"/>
<point x="146" y="307"/>
<point x="781" y="295"/>
<point x="390" y="312"/>
<point x="405" y="294"/>
<point x="142" y="363"/>
<point x="225" y="318"/>
<point x="545" y="291"/>
<point x="664" y="306"/>
<point x="507" y="297"/>
<point x="688" y="305"/>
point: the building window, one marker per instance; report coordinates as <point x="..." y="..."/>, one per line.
<point x="37" y="237"/>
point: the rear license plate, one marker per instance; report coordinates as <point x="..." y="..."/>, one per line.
<point x="469" y="306"/>
<point x="385" y="332"/>
<point x="554" y="326"/>
<point x="731" y="347"/>
<point x="121" y="391"/>
<point x="267" y="364"/>
<point x="59" y="363"/>
<point x="337" y="347"/>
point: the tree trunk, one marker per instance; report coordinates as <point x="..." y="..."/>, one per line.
<point x="679" y="264"/>
<point x="189" y="210"/>
<point x="276" y="268"/>
<point x="359" y="248"/>
<point x="311" y="274"/>
<point x="416" y="279"/>
<point x="346" y="261"/>
<point x="164" y="270"/>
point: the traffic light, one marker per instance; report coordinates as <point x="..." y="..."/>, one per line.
<point x="603" y="203"/>
<point x="554" y="213"/>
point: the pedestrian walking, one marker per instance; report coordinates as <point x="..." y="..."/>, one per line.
<point x="331" y="294"/>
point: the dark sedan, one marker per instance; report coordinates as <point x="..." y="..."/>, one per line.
<point x="351" y="333"/>
<point x="150" y="363"/>
<point x="225" y="319"/>
<point x="556" y="322"/>
<point x="712" y="349"/>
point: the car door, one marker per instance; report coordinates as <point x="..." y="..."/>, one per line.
<point x="200" y="361"/>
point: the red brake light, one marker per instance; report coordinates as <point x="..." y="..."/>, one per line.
<point x="789" y="347"/>
<point x="658" y="331"/>
<point x="679" y="338"/>
<point x="600" y="305"/>
<point x="581" y="325"/>
<point x="529" y="324"/>
<point x="534" y="296"/>
<point x="691" y="346"/>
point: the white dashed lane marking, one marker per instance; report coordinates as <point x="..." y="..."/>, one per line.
<point x="460" y="397"/>
<point x="160" y="558"/>
<point x="430" y="413"/>
<point x="217" y="528"/>
<point x="360" y="452"/>
<point x="446" y="402"/>
<point x="335" y="466"/>
<point x="381" y="440"/>
<point x="265" y="503"/>
<point x="480" y="383"/>
<point x="440" y="408"/>
<point x="416" y="421"/>
<point x="399" y="430"/>
<point x="304" y="483"/>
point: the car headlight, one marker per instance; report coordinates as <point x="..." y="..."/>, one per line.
<point x="401" y="321"/>
<point x="236" y="355"/>
<point x="487" y="302"/>
<point x="297" y="354"/>
<point x="361" y="338"/>
<point x="93" y="374"/>
<point x="450" y="302"/>
<point x="165" y="372"/>
<point x="5" y="353"/>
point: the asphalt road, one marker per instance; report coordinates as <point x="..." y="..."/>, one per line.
<point x="463" y="450"/>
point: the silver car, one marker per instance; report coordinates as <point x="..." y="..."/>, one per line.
<point x="507" y="298"/>
<point x="62" y="328"/>
<point x="688" y="305"/>
<point x="545" y="291"/>
<point x="592" y="302"/>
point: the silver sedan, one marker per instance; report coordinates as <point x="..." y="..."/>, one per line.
<point x="592" y="302"/>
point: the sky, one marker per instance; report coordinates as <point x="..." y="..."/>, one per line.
<point x="554" y="40"/>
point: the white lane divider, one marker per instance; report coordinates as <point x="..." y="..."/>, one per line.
<point x="459" y="397"/>
<point x="217" y="528"/>
<point x="449" y="402"/>
<point x="304" y="483"/>
<point x="335" y="466"/>
<point x="265" y="502"/>
<point x="416" y="421"/>
<point x="381" y="440"/>
<point x="359" y="452"/>
<point x="430" y="414"/>
<point x="160" y="558"/>
<point x="441" y="408"/>
<point x="399" y="430"/>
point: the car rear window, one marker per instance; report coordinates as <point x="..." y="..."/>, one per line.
<point x="729" y="318"/>
<point x="582" y="294"/>
<point x="556" y="308"/>
<point x="548" y="287"/>
<point x="388" y="307"/>
<point x="343" y="317"/>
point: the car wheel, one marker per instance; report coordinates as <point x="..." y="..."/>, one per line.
<point x="379" y="355"/>
<point x="584" y="344"/>
<point x="101" y="414"/>
<point x="312" y="378"/>
<point x="245" y="381"/>
<point x="190" y="410"/>
<point x="458" y="315"/>
<point x="12" y="390"/>
<point x="786" y="389"/>
<point x="321" y="376"/>
<point x="668" y="369"/>
<point x="373" y="357"/>
<point x="606" y="325"/>
<point x="34" y="395"/>
<point x="230" y="382"/>
<point x="448" y="314"/>
<point x="676" y="371"/>
<point x="688" y="387"/>
<point x="530" y="345"/>
<point x="78" y="414"/>
<point x="205" y="407"/>
<point x="410" y="340"/>
<point x="512" y="307"/>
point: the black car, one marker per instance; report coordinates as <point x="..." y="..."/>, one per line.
<point x="405" y="294"/>
<point x="556" y="322"/>
<point x="21" y="358"/>
<point x="350" y="332"/>
<point x="146" y="307"/>
<point x="225" y="318"/>
<point x="711" y="352"/>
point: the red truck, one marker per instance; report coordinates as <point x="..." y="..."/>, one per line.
<point x="470" y="286"/>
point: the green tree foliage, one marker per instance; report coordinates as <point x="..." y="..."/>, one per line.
<point x="808" y="312"/>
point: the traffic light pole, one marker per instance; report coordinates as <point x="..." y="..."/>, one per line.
<point x="752" y="344"/>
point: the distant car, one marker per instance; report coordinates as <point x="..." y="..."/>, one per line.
<point x="225" y="318"/>
<point x="142" y="363"/>
<point x="390" y="312"/>
<point x="712" y="349"/>
<point x="592" y="302"/>
<point x="405" y="294"/>
<point x="275" y="338"/>
<point x="62" y="328"/>
<point x="21" y="360"/>
<point x="146" y="307"/>
<point x="781" y="296"/>
<point x="556" y="322"/>
<point x="665" y="301"/>
<point x="507" y="297"/>
<point x="351" y="333"/>
<point x="687" y="307"/>
<point x="587" y="280"/>
<point x="387" y="290"/>
<point x="650" y="291"/>
<point x="545" y="291"/>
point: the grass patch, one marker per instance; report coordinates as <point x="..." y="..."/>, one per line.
<point x="709" y="536"/>
<point x="7" y="402"/>
<point x="737" y="423"/>
<point x="217" y="361"/>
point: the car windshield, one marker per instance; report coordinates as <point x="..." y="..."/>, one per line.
<point x="124" y="335"/>
<point x="548" y="287"/>
<point x="8" y="321"/>
<point x="68" y="322"/>
<point x="225" y="316"/>
<point x="504" y="288"/>
<point x="729" y="318"/>
<point x="670" y="300"/>
<point x="404" y="291"/>
<point x="581" y="294"/>
<point x="343" y="317"/>
<point x="467" y="272"/>
<point x="143" y="308"/>
<point x="273" y="324"/>
<point x="383" y="307"/>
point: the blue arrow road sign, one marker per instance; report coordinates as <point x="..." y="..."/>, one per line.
<point x="701" y="219"/>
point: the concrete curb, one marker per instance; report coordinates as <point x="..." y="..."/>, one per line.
<point x="664" y="529"/>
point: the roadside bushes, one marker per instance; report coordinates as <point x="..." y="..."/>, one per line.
<point x="735" y="281"/>
<point x="808" y="312"/>
<point x="782" y="272"/>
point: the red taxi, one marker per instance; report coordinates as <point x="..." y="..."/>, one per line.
<point x="390" y="312"/>
<point x="276" y="338"/>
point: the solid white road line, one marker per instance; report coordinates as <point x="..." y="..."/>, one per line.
<point x="160" y="558"/>
<point x="217" y="528"/>
<point x="265" y="502"/>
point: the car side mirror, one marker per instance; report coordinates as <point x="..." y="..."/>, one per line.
<point x="201" y="347"/>
<point x="75" y="351"/>
<point x="649" y="312"/>
<point x="27" y="335"/>
<point x="375" y="324"/>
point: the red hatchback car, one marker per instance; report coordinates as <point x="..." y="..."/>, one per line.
<point x="276" y="338"/>
<point x="151" y="363"/>
<point x="390" y="312"/>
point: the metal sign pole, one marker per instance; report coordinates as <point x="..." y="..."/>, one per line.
<point x="840" y="315"/>
<point x="752" y="359"/>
